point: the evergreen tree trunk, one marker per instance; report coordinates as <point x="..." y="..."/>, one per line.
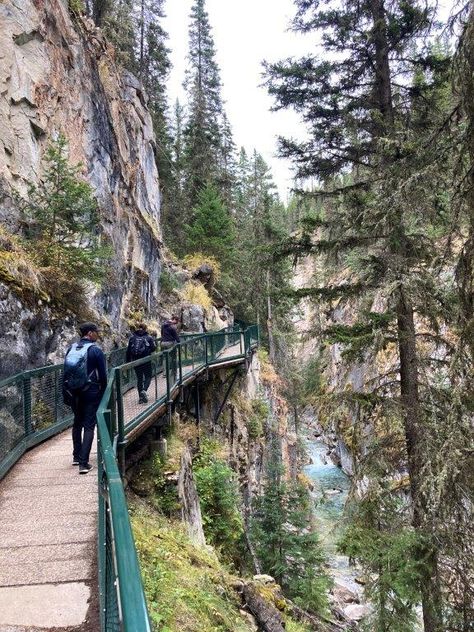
<point x="431" y="594"/>
<point x="409" y="387"/>
<point x="383" y="83"/>
<point x="99" y="11"/>
<point x="465" y="268"/>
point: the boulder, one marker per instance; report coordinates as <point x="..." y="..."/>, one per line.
<point x="264" y="579"/>
<point x="356" y="612"/>
<point x="342" y="594"/>
<point x="205" y="275"/>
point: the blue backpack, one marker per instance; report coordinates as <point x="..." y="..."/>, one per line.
<point x="76" y="377"/>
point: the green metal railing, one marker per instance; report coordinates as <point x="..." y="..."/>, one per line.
<point x="32" y="410"/>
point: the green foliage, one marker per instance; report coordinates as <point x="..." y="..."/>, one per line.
<point x="77" y="6"/>
<point x="358" y="338"/>
<point x="41" y="414"/>
<point x="312" y="379"/>
<point x="393" y="557"/>
<point x="257" y="418"/>
<point x="294" y="626"/>
<point x="259" y="283"/>
<point x="287" y="546"/>
<point x="219" y="499"/>
<point x="63" y="235"/>
<point x="187" y="589"/>
<point x="211" y="230"/>
<point x="168" y="282"/>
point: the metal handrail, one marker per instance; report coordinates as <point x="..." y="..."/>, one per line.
<point x="122" y="598"/>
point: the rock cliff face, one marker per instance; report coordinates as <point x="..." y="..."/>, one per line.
<point x="58" y="75"/>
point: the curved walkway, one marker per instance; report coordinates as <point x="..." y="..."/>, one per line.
<point x="48" y="515"/>
<point x="48" y="527"/>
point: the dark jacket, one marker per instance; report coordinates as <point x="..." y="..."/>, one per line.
<point x="140" y="333"/>
<point x="96" y="364"/>
<point x="168" y="332"/>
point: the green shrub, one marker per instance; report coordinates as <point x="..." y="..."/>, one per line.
<point x="257" y="418"/>
<point x="168" y="282"/>
<point x="219" y="498"/>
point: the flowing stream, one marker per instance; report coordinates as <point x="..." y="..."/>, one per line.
<point x="331" y="487"/>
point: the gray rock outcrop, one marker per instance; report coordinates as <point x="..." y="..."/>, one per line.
<point x="58" y="75"/>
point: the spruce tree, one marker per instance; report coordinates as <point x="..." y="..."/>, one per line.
<point x="286" y="543"/>
<point x="379" y="218"/>
<point x="260" y="283"/>
<point x="203" y="132"/>
<point x="211" y="231"/>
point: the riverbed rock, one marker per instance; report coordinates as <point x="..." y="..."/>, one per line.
<point x="356" y="612"/>
<point x="332" y="492"/>
<point x="342" y="594"/>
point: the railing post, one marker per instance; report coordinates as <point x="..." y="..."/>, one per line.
<point x="180" y="365"/>
<point x="101" y="540"/>
<point x="120" y="420"/>
<point x="205" y="350"/>
<point x="26" y="388"/>
<point x="168" y="385"/>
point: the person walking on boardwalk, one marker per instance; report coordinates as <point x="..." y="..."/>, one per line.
<point x="169" y="333"/>
<point x="170" y="337"/>
<point x="141" y="345"/>
<point x="84" y="383"/>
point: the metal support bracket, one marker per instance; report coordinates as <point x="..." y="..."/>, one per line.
<point x="226" y="396"/>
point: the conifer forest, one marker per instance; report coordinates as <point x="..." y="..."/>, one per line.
<point x="361" y="282"/>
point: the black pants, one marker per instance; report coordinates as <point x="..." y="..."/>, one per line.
<point x="85" y="407"/>
<point x="173" y="359"/>
<point x="143" y="373"/>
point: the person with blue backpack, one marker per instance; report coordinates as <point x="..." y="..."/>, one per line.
<point x="141" y="345"/>
<point x="84" y="383"/>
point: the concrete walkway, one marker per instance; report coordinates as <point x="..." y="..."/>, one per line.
<point x="48" y="533"/>
<point x="48" y="514"/>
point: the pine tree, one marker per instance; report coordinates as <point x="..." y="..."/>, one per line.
<point x="226" y="178"/>
<point x="63" y="232"/>
<point x="260" y="283"/>
<point x="174" y="201"/>
<point x="211" y="231"/>
<point x="287" y="546"/>
<point x="64" y="224"/>
<point x="379" y="219"/>
<point x="202" y="133"/>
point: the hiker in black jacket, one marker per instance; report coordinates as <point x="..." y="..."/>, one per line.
<point x="141" y="345"/>
<point x="169" y="333"/>
<point x="169" y="338"/>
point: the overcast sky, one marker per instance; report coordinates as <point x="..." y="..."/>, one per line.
<point x="245" y="33"/>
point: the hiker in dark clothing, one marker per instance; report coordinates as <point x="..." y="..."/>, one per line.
<point x="169" y="333"/>
<point x="141" y="345"/>
<point x="84" y="383"/>
<point x="169" y="338"/>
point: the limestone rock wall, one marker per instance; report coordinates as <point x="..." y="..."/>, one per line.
<point x="58" y="75"/>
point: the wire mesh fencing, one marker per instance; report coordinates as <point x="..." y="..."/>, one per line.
<point x="12" y="419"/>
